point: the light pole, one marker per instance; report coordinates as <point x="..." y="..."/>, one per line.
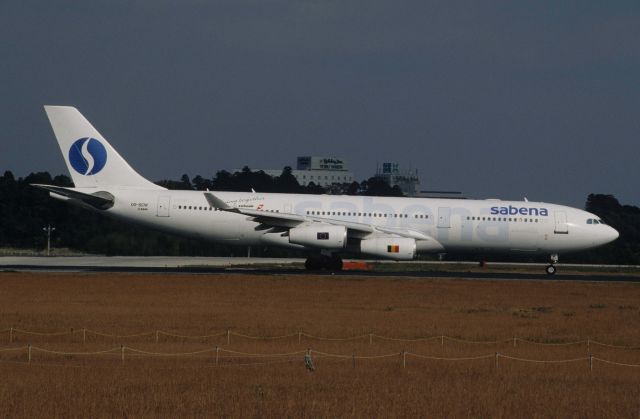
<point x="48" y="229"/>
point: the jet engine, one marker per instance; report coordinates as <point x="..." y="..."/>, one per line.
<point x="322" y="236"/>
<point x="396" y="248"/>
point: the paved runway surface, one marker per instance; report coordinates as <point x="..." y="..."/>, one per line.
<point x="268" y="266"/>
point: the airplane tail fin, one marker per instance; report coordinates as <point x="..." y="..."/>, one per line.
<point x="91" y="160"/>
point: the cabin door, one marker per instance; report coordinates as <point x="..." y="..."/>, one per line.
<point x="561" y="223"/>
<point x="163" y="206"/>
<point x="444" y="217"/>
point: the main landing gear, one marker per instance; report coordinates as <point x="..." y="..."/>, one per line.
<point x="320" y="262"/>
<point x="551" y="268"/>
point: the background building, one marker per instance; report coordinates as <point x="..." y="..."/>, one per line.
<point x="407" y="180"/>
<point x="323" y="171"/>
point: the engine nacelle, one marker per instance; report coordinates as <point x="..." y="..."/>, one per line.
<point x="321" y="236"/>
<point x="396" y="248"/>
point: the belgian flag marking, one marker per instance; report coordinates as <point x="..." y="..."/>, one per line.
<point x="393" y="248"/>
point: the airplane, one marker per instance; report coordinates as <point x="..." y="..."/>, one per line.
<point x="327" y="226"/>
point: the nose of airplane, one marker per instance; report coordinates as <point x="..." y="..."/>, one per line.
<point x="610" y="234"/>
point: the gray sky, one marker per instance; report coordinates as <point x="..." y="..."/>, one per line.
<point x="495" y="98"/>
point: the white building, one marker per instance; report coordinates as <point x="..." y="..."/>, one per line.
<point x="323" y="171"/>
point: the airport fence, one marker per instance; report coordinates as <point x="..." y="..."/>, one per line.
<point x="13" y="334"/>
<point x="220" y="357"/>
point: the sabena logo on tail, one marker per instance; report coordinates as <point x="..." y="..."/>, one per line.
<point x="87" y="156"/>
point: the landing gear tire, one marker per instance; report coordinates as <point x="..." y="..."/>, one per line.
<point x="551" y="267"/>
<point x="334" y="264"/>
<point x="313" y="263"/>
<point x="329" y="263"/>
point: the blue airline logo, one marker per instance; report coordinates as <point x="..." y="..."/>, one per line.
<point x="511" y="210"/>
<point x="87" y="156"/>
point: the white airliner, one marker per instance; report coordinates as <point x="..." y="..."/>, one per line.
<point x="325" y="225"/>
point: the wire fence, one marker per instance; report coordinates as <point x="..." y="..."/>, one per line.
<point x="14" y="333"/>
<point x="28" y="355"/>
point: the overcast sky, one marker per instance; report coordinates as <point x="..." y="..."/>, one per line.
<point x="497" y="99"/>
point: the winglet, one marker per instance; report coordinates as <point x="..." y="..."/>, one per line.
<point x="217" y="203"/>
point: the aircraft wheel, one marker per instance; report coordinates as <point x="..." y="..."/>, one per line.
<point x="313" y="263"/>
<point x="334" y="264"/>
<point x="551" y="269"/>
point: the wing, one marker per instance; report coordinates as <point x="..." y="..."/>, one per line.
<point x="279" y="219"/>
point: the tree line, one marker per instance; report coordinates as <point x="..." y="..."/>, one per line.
<point x="25" y="210"/>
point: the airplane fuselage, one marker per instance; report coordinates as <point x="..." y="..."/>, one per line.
<point x="458" y="225"/>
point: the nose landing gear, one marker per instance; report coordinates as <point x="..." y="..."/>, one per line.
<point x="551" y="268"/>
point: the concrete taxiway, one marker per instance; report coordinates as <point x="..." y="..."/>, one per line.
<point x="275" y="266"/>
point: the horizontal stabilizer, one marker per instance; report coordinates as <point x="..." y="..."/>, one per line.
<point x="100" y="200"/>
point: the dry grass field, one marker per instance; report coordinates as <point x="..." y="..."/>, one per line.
<point x="549" y="312"/>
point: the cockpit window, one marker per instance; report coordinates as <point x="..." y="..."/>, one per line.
<point x="595" y="222"/>
<point x="600" y="221"/>
<point x="590" y="221"/>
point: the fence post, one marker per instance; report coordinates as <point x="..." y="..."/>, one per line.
<point x="228" y="336"/>
<point x="404" y="359"/>
<point x="122" y="352"/>
<point x="497" y="355"/>
<point x="29" y="346"/>
<point x="84" y="336"/>
<point x="299" y="337"/>
<point x="590" y="363"/>
<point x="217" y="351"/>
<point x="11" y="335"/>
<point x="353" y="358"/>
<point x="370" y="338"/>
<point x="157" y="335"/>
<point x="514" y="341"/>
<point x="589" y="345"/>
<point x="442" y="340"/>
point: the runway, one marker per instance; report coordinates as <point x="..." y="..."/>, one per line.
<point x="271" y="266"/>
